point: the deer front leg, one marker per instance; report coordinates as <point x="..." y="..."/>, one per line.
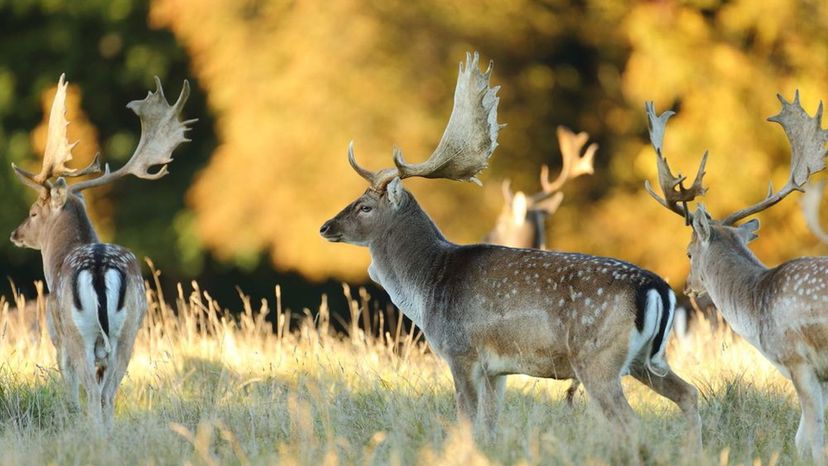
<point x="465" y="390"/>
<point x="490" y="393"/>
<point x="811" y="431"/>
<point x="70" y="379"/>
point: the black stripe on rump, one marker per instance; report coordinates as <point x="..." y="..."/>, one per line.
<point x="99" y="284"/>
<point x="122" y="290"/>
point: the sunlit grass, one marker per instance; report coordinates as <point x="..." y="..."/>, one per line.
<point x="207" y="387"/>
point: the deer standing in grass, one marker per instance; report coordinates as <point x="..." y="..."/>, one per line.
<point x="490" y="311"/>
<point x="782" y="311"/>
<point x="97" y="299"/>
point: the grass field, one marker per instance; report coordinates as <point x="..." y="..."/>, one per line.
<point x="206" y="388"/>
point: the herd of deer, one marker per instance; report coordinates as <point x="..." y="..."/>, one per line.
<point x="489" y="310"/>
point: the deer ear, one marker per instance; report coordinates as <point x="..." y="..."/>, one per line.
<point x="395" y="192"/>
<point x="519" y="208"/>
<point x="747" y="230"/>
<point x="701" y="224"/>
<point x="58" y="193"/>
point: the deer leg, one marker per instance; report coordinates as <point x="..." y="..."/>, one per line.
<point x="674" y="388"/>
<point x="465" y="390"/>
<point x="811" y="431"/>
<point x="70" y="379"/>
<point x="87" y="373"/>
<point x="490" y="393"/>
<point x="571" y="391"/>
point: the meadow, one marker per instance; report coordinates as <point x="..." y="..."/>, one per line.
<point x="211" y="386"/>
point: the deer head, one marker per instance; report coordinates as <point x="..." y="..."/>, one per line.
<point x="713" y="238"/>
<point x="162" y="131"/>
<point x="464" y="150"/>
<point x="522" y="221"/>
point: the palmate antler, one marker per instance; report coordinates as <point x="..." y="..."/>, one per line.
<point x="575" y="162"/>
<point x="161" y="132"/>
<point x="807" y="140"/>
<point x="468" y="141"/>
<point x="676" y="196"/>
<point x="58" y="149"/>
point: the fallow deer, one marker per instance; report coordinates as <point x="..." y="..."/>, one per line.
<point x="782" y="311"/>
<point x="522" y="221"/>
<point x="97" y="299"/>
<point x="490" y="311"/>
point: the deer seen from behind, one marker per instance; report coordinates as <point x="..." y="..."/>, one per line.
<point x="491" y="311"/>
<point x="97" y="300"/>
<point x="783" y="310"/>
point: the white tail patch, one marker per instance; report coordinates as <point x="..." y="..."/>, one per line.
<point x="656" y="363"/>
<point x="640" y="341"/>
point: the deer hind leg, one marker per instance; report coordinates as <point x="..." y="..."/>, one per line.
<point x="490" y="393"/>
<point x="811" y="432"/>
<point x="674" y="388"/>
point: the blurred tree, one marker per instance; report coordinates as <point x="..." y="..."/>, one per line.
<point x="292" y="82"/>
<point x="109" y="55"/>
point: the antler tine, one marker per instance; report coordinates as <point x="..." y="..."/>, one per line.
<point x="573" y="164"/>
<point x="811" y="202"/>
<point x="807" y="140"/>
<point x="470" y="136"/>
<point x="676" y="196"/>
<point x="58" y="150"/>
<point x="161" y="132"/>
<point x="367" y="174"/>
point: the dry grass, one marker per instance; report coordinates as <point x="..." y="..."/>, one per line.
<point x="207" y="387"/>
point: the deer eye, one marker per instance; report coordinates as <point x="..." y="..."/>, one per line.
<point x="689" y="256"/>
<point x="33" y="214"/>
<point x="365" y="208"/>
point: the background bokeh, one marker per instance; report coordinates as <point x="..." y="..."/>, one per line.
<point x="280" y="87"/>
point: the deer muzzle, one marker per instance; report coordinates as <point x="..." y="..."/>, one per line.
<point x="330" y="232"/>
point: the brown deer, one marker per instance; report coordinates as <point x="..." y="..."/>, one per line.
<point x="522" y="221"/>
<point x="97" y="299"/>
<point x="490" y="311"/>
<point x="782" y="311"/>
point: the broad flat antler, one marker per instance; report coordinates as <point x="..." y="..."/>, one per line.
<point x="676" y="196"/>
<point x="811" y="202"/>
<point x="468" y="141"/>
<point x="573" y="163"/>
<point x="161" y="132"/>
<point x="807" y="140"/>
<point x="58" y="150"/>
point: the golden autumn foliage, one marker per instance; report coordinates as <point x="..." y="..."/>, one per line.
<point x="292" y="82"/>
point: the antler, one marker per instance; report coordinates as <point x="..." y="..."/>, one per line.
<point x="161" y="132"/>
<point x="468" y="141"/>
<point x="807" y="140"/>
<point x="58" y="150"/>
<point x="676" y="196"/>
<point x="573" y="163"/>
<point x="811" y="201"/>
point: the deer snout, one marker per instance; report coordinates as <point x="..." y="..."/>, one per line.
<point x="15" y="238"/>
<point x="329" y="232"/>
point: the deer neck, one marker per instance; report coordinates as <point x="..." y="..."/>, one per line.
<point x="69" y="230"/>
<point x="732" y="276"/>
<point x="404" y="260"/>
